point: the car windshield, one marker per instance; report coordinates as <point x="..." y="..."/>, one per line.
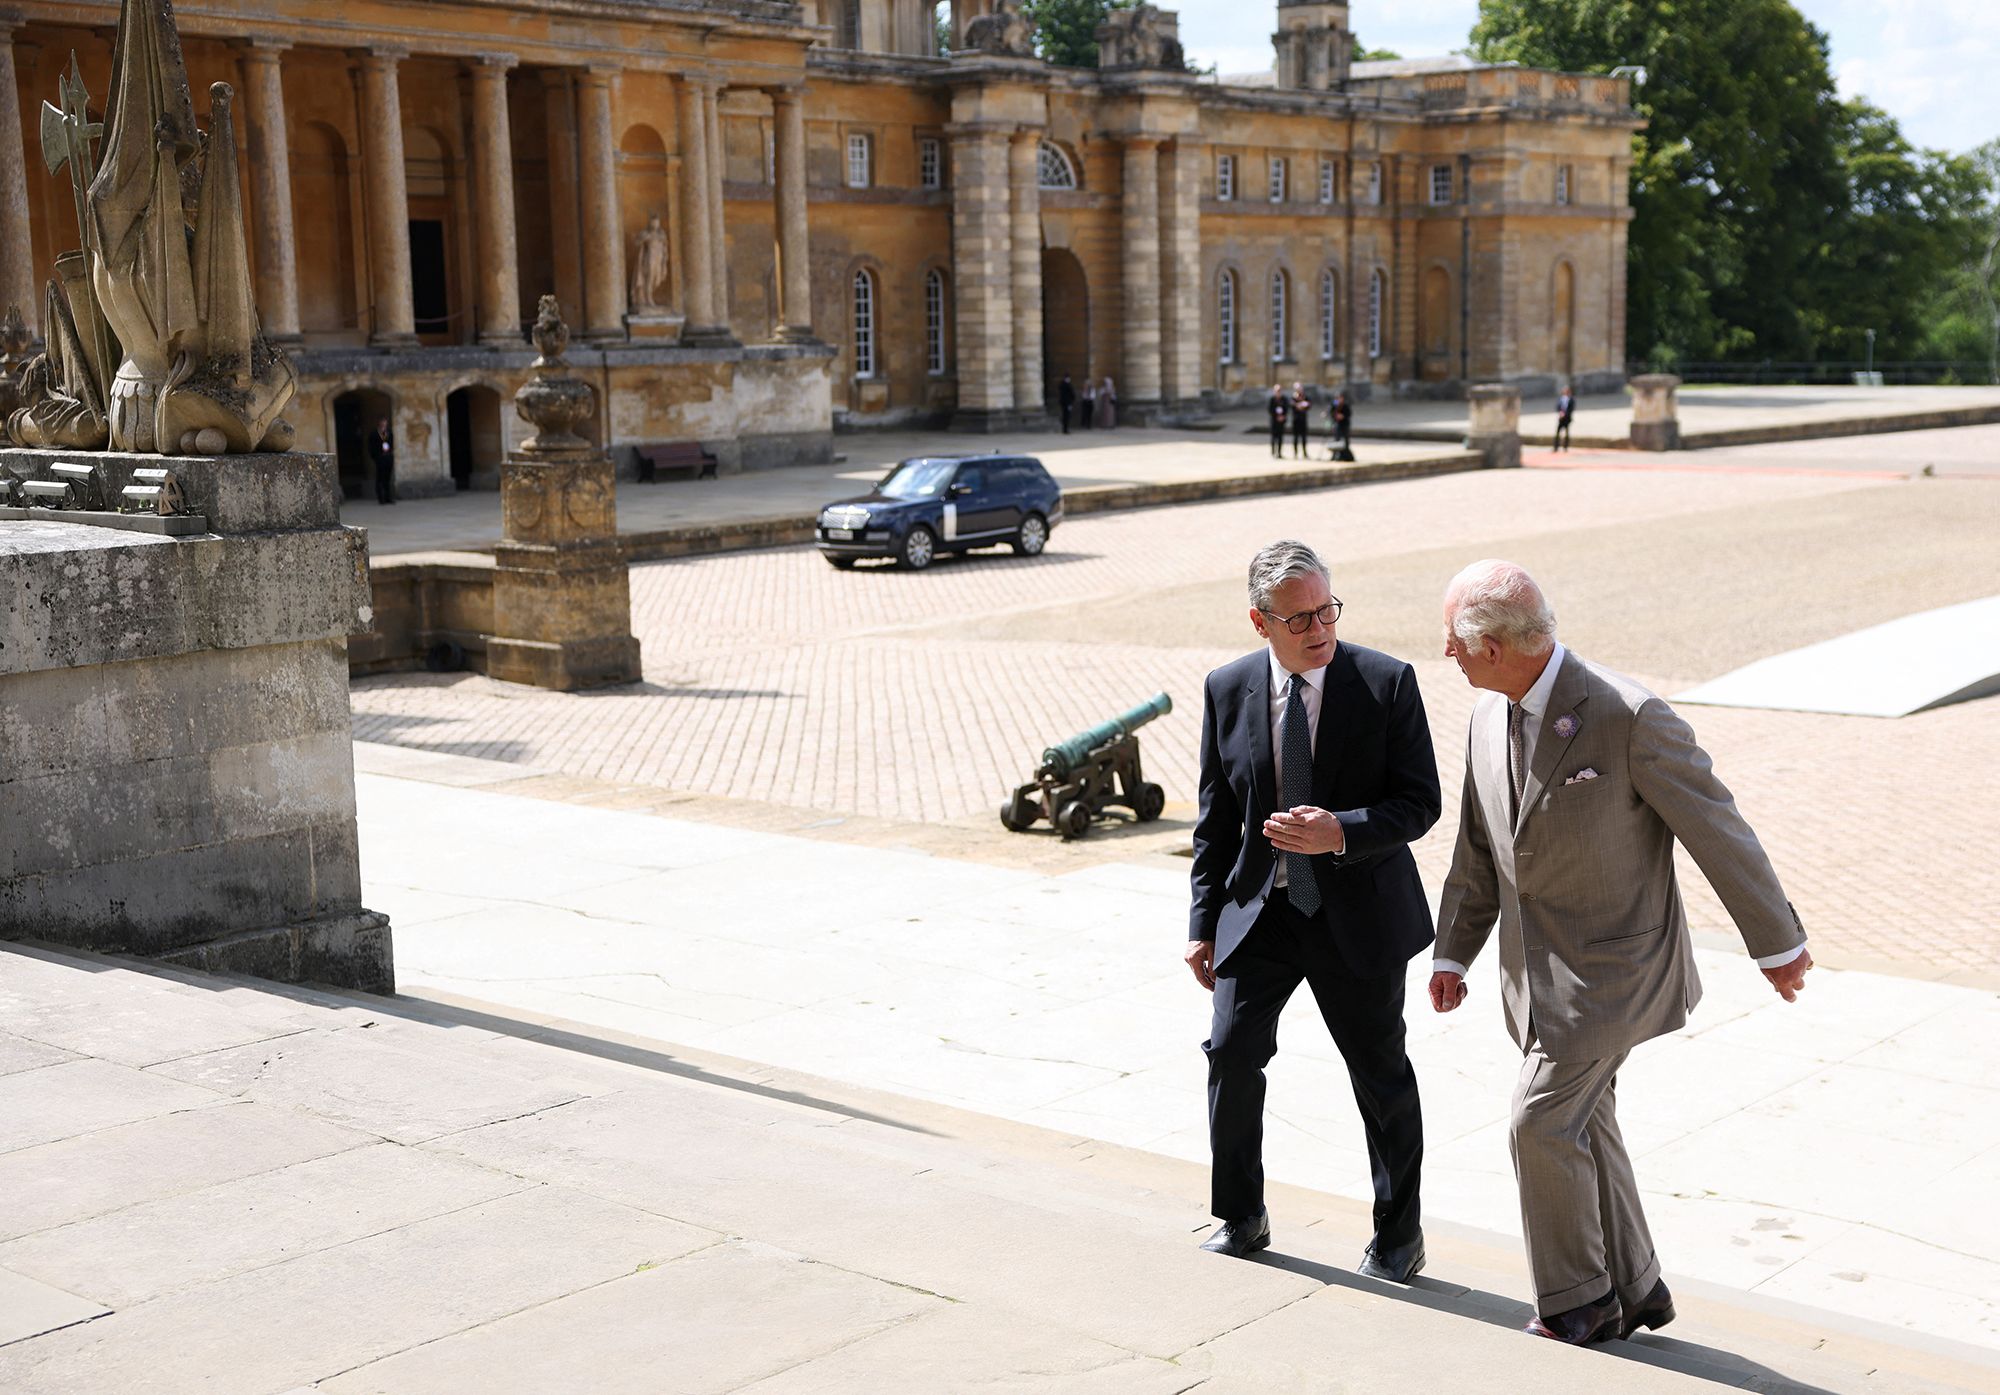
<point x="918" y="479"/>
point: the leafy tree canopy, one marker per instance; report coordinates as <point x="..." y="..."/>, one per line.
<point x="1066" y="30"/>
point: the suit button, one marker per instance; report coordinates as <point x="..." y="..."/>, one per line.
<point x="1527" y="896"/>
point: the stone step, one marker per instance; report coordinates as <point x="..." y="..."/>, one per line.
<point x="259" y="1189"/>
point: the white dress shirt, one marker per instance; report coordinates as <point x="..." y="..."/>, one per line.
<point x="1534" y="706"/>
<point x="1315" y="685"/>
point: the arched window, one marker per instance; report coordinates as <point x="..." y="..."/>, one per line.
<point x="1225" y="315"/>
<point x="934" y="322"/>
<point x="1280" y="302"/>
<point x="1378" y="295"/>
<point x="864" y="324"/>
<point x="1329" y="301"/>
<point x="1054" y="171"/>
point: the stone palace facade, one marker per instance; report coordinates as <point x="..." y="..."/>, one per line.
<point x="850" y="228"/>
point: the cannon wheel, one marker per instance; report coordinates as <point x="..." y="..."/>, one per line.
<point x="1152" y="799"/>
<point x="1018" y="814"/>
<point x="1073" y="819"/>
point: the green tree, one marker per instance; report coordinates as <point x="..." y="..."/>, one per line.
<point x="1365" y="54"/>
<point x="1962" y="320"/>
<point x="1736" y="176"/>
<point x="1066" y="30"/>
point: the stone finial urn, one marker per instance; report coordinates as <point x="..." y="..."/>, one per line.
<point x="553" y="401"/>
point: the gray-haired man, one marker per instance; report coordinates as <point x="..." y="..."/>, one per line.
<point x="1578" y="782"/>
<point x="1316" y="776"/>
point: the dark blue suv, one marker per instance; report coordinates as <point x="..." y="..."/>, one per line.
<point x="944" y="503"/>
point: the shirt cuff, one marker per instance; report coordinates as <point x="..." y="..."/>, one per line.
<point x="1447" y="966"/>
<point x="1773" y="961"/>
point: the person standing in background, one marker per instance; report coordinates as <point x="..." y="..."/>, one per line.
<point x="1089" y="403"/>
<point x="1066" y="399"/>
<point x="382" y="455"/>
<point x="1280" y="408"/>
<point x="1301" y="415"/>
<point x="1107" y="404"/>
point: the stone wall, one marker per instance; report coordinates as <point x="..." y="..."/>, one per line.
<point x="176" y="769"/>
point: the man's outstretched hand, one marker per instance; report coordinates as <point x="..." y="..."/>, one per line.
<point x="1790" y="979"/>
<point x="1201" y="958"/>
<point x="1447" y="990"/>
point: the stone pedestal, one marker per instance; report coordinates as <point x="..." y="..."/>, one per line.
<point x="562" y="602"/>
<point x="176" y="762"/>
<point x="1495" y="428"/>
<point x="1655" y="412"/>
<point x="655" y="326"/>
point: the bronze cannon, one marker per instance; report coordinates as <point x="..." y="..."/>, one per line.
<point x="1095" y="770"/>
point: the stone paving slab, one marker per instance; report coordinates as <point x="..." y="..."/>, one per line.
<point x="29" y="1308"/>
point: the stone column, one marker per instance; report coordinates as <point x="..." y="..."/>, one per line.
<point x="982" y="276"/>
<point x="17" y="250"/>
<point x="1495" y="427"/>
<point x="271" y="190"/>
<point x="1025" y="232"/>
<point x="794" y="253"/>
<point x="603" y="236"/>
<point x="393" y="311"/>
<point x="697" y="274"/>
<point x="565" y="237"/>
<point x="718" y="241"/>
<point x="1186" y="293"/>
<point x="1139" y="244"/>
<point x="1656" y="421"/>
<point x="493" y="169"/>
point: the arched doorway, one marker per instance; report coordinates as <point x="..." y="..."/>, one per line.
<point x="354" y="416"/>
<point x="1562" y="326"/>
<point x="1065" y="321"/>
<point x="472" y="432"/>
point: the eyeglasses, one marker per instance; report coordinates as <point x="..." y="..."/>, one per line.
<point x="1303" y="621"/>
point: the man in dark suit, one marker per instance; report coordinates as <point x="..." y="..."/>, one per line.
<point x="1565" y="414"/>
<point x="382" y="455"/>
<point x="1343" y="423"/>
<point x="1066" y="399"/>
<point x="1316" y="776"/>
<point x="1279" y="408"/>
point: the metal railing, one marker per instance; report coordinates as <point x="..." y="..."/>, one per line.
<point x="1829" y="372"/>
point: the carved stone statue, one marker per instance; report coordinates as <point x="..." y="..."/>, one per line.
<point x="553" y="401"/>
<point x="60" y="405"/>
<point x="195" y="372"/>
<point x="649" y="265"/>
<point x="1004" y="32"/>
<point x="1141" y="37"/>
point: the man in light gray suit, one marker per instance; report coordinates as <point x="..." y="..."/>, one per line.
<point x="1578" y="782"/>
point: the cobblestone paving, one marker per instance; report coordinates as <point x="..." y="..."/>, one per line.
<point x="923" y="697"/>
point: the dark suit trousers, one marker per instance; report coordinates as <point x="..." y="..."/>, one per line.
<point x="1365" y="1016"/>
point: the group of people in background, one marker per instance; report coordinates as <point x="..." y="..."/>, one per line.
<point x="1293" y="409"/>
<point x="1096" y="407"/>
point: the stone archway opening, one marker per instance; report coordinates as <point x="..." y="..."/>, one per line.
<point x="355" y="413"/>
<point x="1065" y="321"/>
<point x="473" y="436"/>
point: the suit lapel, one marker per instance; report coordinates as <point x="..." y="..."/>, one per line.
<point x="1560" y="724"/>
<point x="1263" y="766"/>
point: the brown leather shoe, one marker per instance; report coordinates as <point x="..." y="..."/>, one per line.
<point x="1655" y="1311"/>
<point x="1579" y="1327"/>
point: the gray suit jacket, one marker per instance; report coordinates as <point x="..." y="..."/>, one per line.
<point x="1594" y="948"/>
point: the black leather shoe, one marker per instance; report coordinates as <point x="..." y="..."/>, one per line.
<point x="1239" y="1239"/>
<point x="1394" y="1264"/>
<point x="1656" y="1310"/>
<point x="1593" y="1322"/>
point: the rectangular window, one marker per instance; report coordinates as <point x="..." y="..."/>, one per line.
<point x="1441" y="184"/>
<point x="864" y="325"/>
<point x="1225" y="177"/>
<point x="1277" y="179"/>
<point x="1326" y="184"/>
<point x="1562" y="183"/>
<point x="930" y="163"/>
<point x="934" y="322"/>
<point x="857" y="162"/>
<point x="1375" y="183"/>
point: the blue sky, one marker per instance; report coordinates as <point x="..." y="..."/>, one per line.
<point x="1933" y="64"/>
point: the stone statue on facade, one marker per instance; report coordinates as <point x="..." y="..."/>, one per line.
<point x="1004" y="32"/>
<point x="158" y="331"/>
<point x="1141" y="37"/>
<point x="649" y="265"/>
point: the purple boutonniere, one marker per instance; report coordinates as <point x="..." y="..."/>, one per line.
<point x="1566" y="725"/>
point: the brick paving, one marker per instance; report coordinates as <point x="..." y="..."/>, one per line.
<point x="922" y="698"/>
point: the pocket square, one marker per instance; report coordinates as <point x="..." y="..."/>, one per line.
<point x="1584" y="774"/>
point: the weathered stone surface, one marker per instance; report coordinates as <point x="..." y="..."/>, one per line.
<point x="236" y="494"/>
<point x="41" y="1106"/>
<point x="29" y="1308"/>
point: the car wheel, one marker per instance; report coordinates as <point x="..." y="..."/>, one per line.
<point x="839" y="563"/>
<point x="1032" y="536"/>
<point x="919" y="548"/>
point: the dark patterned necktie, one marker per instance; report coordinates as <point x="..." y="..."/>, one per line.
<point x="1517" y="747"/>
<point x="1299" y="883"/>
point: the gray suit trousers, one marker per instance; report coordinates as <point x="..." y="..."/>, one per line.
<point x="1580" y="1211"/>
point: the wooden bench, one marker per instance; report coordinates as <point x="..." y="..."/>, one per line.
<point x="680" y="457"/>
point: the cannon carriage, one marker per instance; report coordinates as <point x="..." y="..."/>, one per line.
<point x="1094" y="771"/>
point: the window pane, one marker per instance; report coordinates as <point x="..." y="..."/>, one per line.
<point x="1053" y="168"/>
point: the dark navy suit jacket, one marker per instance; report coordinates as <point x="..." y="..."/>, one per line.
<point x="1373" y="768"/>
